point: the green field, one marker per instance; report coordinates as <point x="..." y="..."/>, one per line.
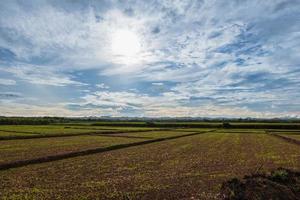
<point x="112" y="162"/>
<point x="44" y="131"/>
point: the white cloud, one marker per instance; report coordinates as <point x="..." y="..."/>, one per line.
<point x="41" y="76"/>
<point x="7" y="81"/>
<point x="169" y="104"/>
<point x="102" y="86"/>
<point x="158" y="84"/>
<point x="21" y="109"/>
<point x="189" y="33"/>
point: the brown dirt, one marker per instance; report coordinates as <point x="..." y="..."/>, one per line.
<point x="279" y="184"/>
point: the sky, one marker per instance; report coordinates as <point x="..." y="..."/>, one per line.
<point x="163" y="58"/>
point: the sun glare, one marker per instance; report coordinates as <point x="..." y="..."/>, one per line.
<point x="125" y="45"/>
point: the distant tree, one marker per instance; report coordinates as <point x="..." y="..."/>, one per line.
<point x="226" y="125"/>
<point x="149" y="123"/>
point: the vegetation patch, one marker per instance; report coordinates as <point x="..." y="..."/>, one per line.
<point x="278" y="184"/>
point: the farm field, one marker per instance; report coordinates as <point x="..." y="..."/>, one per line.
<point x="293" y="135"/>
<point x="13" y="150"/>
<point x="8" y="134"/>
<point x="296" y="137"/>
<point x="162" y="134"/>
<point x="29" y="131"/>
<point x="61" y="129"/>
<point x="147" y="163"/>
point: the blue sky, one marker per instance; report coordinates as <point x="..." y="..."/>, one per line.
<point x="181" y="58"/>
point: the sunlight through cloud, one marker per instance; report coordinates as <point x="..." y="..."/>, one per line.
<point x="126" y="46"/>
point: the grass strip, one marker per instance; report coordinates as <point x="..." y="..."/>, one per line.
<point x="288" y="139"/>
<point x="18" y="137"/>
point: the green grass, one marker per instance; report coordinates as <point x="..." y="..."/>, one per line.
<point x="285" y="132"/>
<point x="249" y="131"/>
<point x="193" y="129"/>
<point x="9" y="134"/>
<point x="122" y="128"/>
<point x="36" y="131"/>
<point x="45" y="129"/>
<point x="162" y="134"/>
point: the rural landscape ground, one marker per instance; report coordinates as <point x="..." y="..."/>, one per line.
<point x="136" y="161"/>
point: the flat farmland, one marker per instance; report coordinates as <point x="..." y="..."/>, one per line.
<point x="37" y="131"/>
<point x="45" y="129"/>
<point x="161" y="134"/>
<point x="289" y="135"/>
<point x="157" y="164"/>
<point x="8" y="134"/>
<point x="292" y="136"/>
<point x="29" y="131"/>
<point x="14" y="150"/>
<point x="297" y="137"/>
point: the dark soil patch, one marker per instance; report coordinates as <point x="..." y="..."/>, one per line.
<point x="279" y="184"/>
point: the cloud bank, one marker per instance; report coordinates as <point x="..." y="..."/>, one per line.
<point x="188" y="58"/>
